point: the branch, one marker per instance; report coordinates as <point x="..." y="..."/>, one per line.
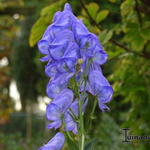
<point x="119" y="44"/>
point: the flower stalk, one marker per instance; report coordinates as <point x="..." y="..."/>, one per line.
<point x="82" y="136"/>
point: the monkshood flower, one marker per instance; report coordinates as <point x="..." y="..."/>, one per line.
<point x="62" y="109"/>
<point x="72" y="51"/>
<point x="56" y="143"/>
<point x="89" y="44"/>
<point x="57" y="84"/>
<point x="56" y="109"/>
<point x="97" y="85"/>
<point x="100" y="87"/>
<point x="70" y="123"/>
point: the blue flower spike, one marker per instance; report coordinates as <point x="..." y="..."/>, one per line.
<point x="70" y="50"/>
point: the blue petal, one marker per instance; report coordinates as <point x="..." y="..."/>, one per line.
<point x="66" y="65"/>
<point x="45" y="58"/>
<point x="56" y="16"/>
<point x="64" y="99"/>
<point x="100" y="86"/>
<point x="100" y="57"/>
<point x="79" y="30"/>
<point x="67" y="7"/>
<point x="56" y="85"/>
<point x="105" y="94"/>
<point x="88" y="41"/>
<point x="62" y="67"/>
<point x="53" y="112"/>
<point x="74" y="107"/>
<point x="64" y="35"/>
<point x="103" y="107"/>
<point x="51" y="69"/>
<point x="57" y="51"/>
<point x="55" y="124"/>
<point x="72" y="50"/>
<point x="70" y="64"/>
<point x="56" y="143"/>
<point x="70" y="124"/>
<point x="64" y="19"/>
<point x="48" y="34"/>
<point x="43" y="46"/>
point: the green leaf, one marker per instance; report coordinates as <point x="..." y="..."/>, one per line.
<point x="90" y="145"/>
<point x="105" y="36"/>
<point x="138" y="43"/>
<point x="108" y="36"/>
<point x="135" y="36"/>
<point x="127" y="7"/>
<point x="145" y="33"/>
<point x="49" y="9"/>
<point x="102" y="15"/>
<point x="92" y="9"/>
<point x="37" y="31"/>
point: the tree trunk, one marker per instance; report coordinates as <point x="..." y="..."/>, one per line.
<point x="23" y="105"/>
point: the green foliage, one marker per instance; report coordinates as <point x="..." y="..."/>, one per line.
<point x="37" y="31"/>
<point x="96" y="14"/>
<point x="90" y="145"/>
<point x="127" y="10"/>
<point x="92" y="12"/>
<point x="13" y="137"/>
<point x="102" y="15"/>
<point x="105" y="36"/>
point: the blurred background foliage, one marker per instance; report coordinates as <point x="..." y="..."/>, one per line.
<point x="123" y="27"/>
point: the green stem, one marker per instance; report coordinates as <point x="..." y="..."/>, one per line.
<point x="82" y="136"/>
<point x="80" y="104"/>
<point x="92" y="113"/>
<point x="68" y="134"/>
<point x="81" y="121"/>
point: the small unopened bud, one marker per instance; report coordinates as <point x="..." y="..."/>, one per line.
<point x="80" y="61"/>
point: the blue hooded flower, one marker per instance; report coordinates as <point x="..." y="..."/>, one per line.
<point x="100" y="87"/>
<point x="64" y="43"/>
<point x="89" y="44"/>
<point x="79" y="30"/>
<point x="57" y="84"/>
<point x="70" y="123"/>
<point x="56" y="109"/>
<point x="62" y="21"/>
<point x="56" y="143"/>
